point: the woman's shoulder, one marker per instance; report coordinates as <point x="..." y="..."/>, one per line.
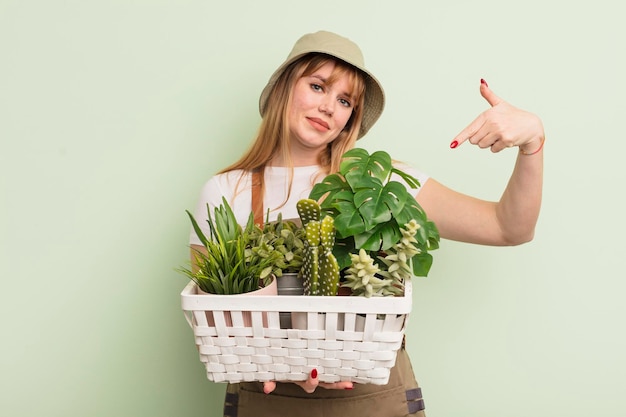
<point x="226" y="180"/>
<point x="221" y="185"/>
<point x="228" y="177"/>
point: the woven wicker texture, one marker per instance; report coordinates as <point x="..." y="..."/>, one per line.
<point x="356" y="339"/>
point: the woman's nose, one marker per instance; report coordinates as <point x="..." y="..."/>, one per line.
<point x="327" y="106"/>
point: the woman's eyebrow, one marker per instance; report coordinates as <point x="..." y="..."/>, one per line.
<point x="325" y="81"/>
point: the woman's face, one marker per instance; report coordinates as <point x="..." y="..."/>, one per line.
<point x="319" y="111"/>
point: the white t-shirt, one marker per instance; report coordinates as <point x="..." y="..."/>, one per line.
<point x="237" y="191"/>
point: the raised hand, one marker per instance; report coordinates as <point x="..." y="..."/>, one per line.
<point x="502" y="126"/>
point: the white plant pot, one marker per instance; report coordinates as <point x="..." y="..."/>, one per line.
<point x="245" y="317"/>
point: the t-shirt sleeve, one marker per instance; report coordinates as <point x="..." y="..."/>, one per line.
<point x="235" y="188"/>
<point x="210" y="197"/>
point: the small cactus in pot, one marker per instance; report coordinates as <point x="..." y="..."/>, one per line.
<point x="320" y="269"/>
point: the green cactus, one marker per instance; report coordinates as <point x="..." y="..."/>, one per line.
<point x="308" y="210"/>
<point x="310" y="266"/>
<point x="320" y="269"/>
<point x="329" y="267"/>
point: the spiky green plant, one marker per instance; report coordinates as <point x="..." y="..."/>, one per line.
<point x="223" y="268"/>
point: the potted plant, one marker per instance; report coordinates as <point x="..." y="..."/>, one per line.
<point x="381" y="234"/>
<point x="226" y="265"/>
<point x="280" y="240"/>
<point x="362" y="231"/>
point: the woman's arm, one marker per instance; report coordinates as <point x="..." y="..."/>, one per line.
<point x="511" y="220"/>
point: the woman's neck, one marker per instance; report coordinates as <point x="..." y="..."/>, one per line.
<point x="297" y="161"/>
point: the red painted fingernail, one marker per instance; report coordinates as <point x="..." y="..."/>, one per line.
<point x="314" y="373"/>
<point x="482" y="81"/>
<point x="349" y="387"/>
<point x="454" y="144"/>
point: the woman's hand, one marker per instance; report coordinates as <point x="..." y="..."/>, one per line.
<point x="310" y="384"/>
<point x="502" y="126"/>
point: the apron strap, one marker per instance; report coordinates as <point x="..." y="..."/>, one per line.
<point x="257" y="198"/>
<point x="231" y="403"/>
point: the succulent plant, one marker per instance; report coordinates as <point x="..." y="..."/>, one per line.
<point x="397" y="258"/>
<point x="320" y="269"/>
<point x="282" y="241"/>
<point x="362" y="277"/>
<point x="366" y="278"/>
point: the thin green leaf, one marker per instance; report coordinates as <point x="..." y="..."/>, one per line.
<point x="409" y="179"/>
<point x="197" y="229"/>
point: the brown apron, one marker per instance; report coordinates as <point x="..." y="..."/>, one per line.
<point x="401" y="397"/>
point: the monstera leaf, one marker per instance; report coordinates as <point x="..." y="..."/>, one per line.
<point x="369" y="208"/>
<point x="357" y="164"/>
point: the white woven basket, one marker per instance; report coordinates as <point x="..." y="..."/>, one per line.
<point x="344" y="338"/>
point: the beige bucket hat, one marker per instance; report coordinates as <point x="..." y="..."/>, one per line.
<point x="344" y="49"/>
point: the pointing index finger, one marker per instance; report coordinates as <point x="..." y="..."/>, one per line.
<point x="468" y="132"/>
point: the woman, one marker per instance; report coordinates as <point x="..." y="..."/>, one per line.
<point x="314" y="108"/>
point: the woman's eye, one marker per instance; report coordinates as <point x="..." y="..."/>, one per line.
<point x="316" y="87"/>
<point x="344" y="102"/>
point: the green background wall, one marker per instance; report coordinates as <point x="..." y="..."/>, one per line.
<point x="114" y="113"/>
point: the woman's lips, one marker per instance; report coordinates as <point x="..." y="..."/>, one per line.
<point x="318" y="124"/>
